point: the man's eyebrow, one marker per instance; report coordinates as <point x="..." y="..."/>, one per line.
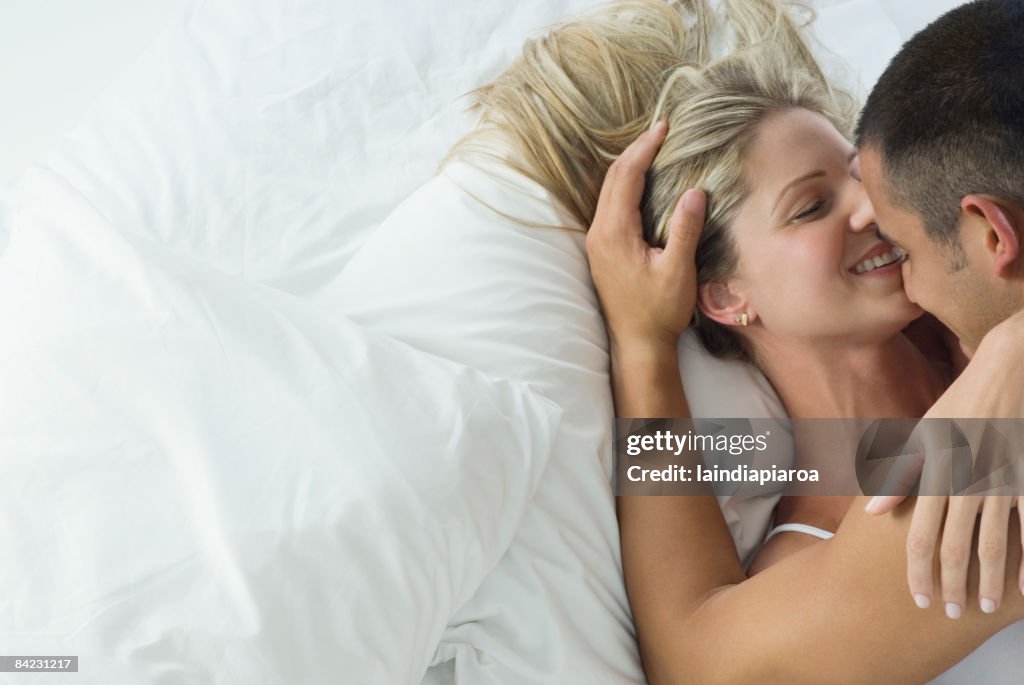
<point x="796" y="181"/>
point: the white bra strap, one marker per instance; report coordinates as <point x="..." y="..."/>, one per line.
<point x="799" y="528"/>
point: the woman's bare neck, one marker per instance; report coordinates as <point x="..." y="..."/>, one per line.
<point x="891" y="378"/>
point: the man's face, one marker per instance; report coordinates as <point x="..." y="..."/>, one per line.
<point x="953" y="295"/>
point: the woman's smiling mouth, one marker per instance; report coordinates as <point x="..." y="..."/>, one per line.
<point x="878" y="258"/>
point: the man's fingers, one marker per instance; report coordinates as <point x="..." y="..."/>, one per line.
<point x="992" y="534"/>
<point x="685" y="226"/>
<point x="955" y="551"/>
<point x="921" y="542"/>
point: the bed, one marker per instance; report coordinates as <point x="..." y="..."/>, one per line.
<point x="255" y="353"/>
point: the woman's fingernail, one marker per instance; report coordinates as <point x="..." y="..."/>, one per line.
<point x="953" y="610"/>
<point x="658" y="125"/>
<point x="922" y="601"/>
<point x="693" y="201"/>
<point x="872" y="504"/>
<point x="988" y="605"/>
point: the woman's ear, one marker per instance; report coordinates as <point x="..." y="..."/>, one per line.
<point x="1001" y="234"/>
<point x="719" y="302"/>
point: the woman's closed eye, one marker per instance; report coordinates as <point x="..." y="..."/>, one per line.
<point x="810" y="210"/>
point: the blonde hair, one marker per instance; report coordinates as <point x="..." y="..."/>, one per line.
<point x="578" y="95"/>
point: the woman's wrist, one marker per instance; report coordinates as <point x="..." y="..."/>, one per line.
<point x="644" y="353"/>
<point x="645" y="380"/>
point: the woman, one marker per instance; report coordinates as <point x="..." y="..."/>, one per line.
<point x="792" y="274"/>
<point x="561" y="115"/>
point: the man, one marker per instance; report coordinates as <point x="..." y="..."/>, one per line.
<point x="941" y="143"/>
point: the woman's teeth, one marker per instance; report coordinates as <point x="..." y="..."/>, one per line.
<point x="893" y="255"/>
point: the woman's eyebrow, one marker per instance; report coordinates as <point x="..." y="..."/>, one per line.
<point x="813" y="174"/>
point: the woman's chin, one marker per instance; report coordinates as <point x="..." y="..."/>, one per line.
<point x="898" y="316"/>
<point x="883" y="317"/>
<point x="891" y="300"/>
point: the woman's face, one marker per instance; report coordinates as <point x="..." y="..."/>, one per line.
<point x="810" y="262"/>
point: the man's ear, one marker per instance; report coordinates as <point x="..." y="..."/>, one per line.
<point x="719" y="302"/>
<point x="1002" y="235"/>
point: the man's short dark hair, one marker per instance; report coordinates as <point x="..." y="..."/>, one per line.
<point x="947" y="115"/>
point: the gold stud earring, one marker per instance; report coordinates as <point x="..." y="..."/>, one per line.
<point x="743" y="319"/>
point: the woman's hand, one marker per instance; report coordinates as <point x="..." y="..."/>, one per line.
<point x="956" y="548"/>
<point x="953" y="519"/>
<point x="647" y="294"/>
<point x="989" y="388"/>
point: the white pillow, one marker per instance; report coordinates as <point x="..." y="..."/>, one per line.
<point x="726" y="389"/>
<point x="207" y="480"/>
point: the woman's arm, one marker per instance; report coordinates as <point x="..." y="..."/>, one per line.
<point x="836" y="612"/>
<point x="825" y="513"/>
<point x="643" y="386"/>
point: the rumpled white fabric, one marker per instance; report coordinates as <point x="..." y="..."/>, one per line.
<point x="206" y="480"/>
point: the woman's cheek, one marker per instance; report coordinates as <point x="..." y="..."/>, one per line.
<point x="814" y="256"/>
